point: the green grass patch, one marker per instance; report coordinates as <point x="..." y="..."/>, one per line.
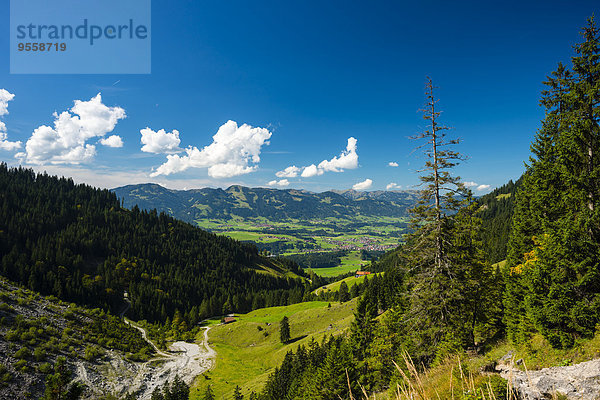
<point x="350" y="281"/>
<point x="249" y="349"/>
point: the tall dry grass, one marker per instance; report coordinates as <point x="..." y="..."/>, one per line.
<point x="421" y="385"/>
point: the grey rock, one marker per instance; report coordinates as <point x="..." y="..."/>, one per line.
<point x="577" y="382"/>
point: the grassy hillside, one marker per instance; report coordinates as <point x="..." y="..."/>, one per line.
<point x="249" y="349"/>
<point x="350" y="281"/>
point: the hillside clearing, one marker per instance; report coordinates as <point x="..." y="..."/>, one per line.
<point x="249" y="349"/>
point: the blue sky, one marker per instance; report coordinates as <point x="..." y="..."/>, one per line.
<point x="305" y="77"/>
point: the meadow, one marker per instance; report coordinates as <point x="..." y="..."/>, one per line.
<point x="249" y="349"/>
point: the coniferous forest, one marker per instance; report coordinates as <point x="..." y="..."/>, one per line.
<point x="79" y="244"/>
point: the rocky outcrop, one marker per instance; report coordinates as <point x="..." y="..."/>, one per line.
<point x="579" y="381"/>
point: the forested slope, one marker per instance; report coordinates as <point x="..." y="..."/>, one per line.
<point x="78" y="243"/>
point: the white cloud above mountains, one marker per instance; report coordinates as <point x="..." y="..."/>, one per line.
<point x="160" y="142"/>
<point x="5" y="144"/>
<point x="476" y="185"/>
<point x="393" y="164"/>
<point x="392" y="186"/>
<point x="280" y="183"/>
<point x="364" y="185"/>
<point x="234" y="151"/>
<point x="348" y="159"/>
<point x="66" y="142"/>
<point x="289" y="172"/>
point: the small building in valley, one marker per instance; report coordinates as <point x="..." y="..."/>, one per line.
<point x="228" y="320"/>
<point x="362" y="273"/>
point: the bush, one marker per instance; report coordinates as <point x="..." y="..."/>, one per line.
<point x="39" y="354"/>
<point x="12" y="336"/>
<point x="23" y="353"/>
<point x="91" y="353"/>
<point x="5" y="376"/>
<point x="45" y="368"/>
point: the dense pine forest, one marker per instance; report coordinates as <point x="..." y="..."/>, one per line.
<point x="445" y="295"/>
<point x="79" y="244"/>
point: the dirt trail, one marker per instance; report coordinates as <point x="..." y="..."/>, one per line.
<point x="119" y="376"/>
<point x="186" y="360"/>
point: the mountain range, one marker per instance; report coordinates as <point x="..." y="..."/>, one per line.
<point x="272" y="204"/>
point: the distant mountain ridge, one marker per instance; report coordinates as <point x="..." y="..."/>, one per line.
<point x="273" y="204"/>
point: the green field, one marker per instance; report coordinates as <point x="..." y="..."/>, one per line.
<point x="350" y="263"/>
<point x="323" y="234"/>
<point x="246" y="357"/>
<point x="350" y="281"/>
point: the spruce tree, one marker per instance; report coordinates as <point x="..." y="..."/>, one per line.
<point x="553" y="279"/>
<point x="208" y="393"/>
<point x="237" y="393"/>
<point x="344" y="294"/>
<point x="284" y="330"/>
<point x="442" y="253"/>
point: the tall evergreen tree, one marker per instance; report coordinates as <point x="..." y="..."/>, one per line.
<point x="442" y="253"/>
<point x="237" y="393"/>
<point x="344" y="294"/>
<point x="284" y="330"/>
<point x="553" y="282"/>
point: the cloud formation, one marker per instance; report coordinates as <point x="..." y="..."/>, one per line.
<point x="348" y="159"/>
<point x="392" y="186"/>
<point x="311" y="170"/>
<point x="364" y="185"/>
<point x="476" y="185"/>
<point x="289" y="172"/>
<point x="393" y="164"/>
<point x="5" y="144"/>
<point x="65" y="143"/>
<point x="160" y="142"/>
<point x="234" y="151"/>
<point x="112" y="141"/>
<point x="280" y="183"/>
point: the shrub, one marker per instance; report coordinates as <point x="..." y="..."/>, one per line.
<point x="12" y="336"/>
<point x="39" y="354"/>
<point x="45" y="368"/>
<point x="23" y="353"/>
<point x="91" y="353"/>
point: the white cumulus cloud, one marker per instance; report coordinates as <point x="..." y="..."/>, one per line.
<point x="392" y="186"/>
<point x="364" y="185"/>
<point x="112" y="141"/>
<point x="289" y="172"/>
<point x="280" y="183"/>
<point x="160" y="141"/>
<point x="348" y="159"/>
<point x="234" y="151"/>
<point x="311" y="170"/>
<point x="65" y="143"/>
<point x="5" y="144"/>
<point x="476" y="185"/>
<point x="393" y="164"/>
